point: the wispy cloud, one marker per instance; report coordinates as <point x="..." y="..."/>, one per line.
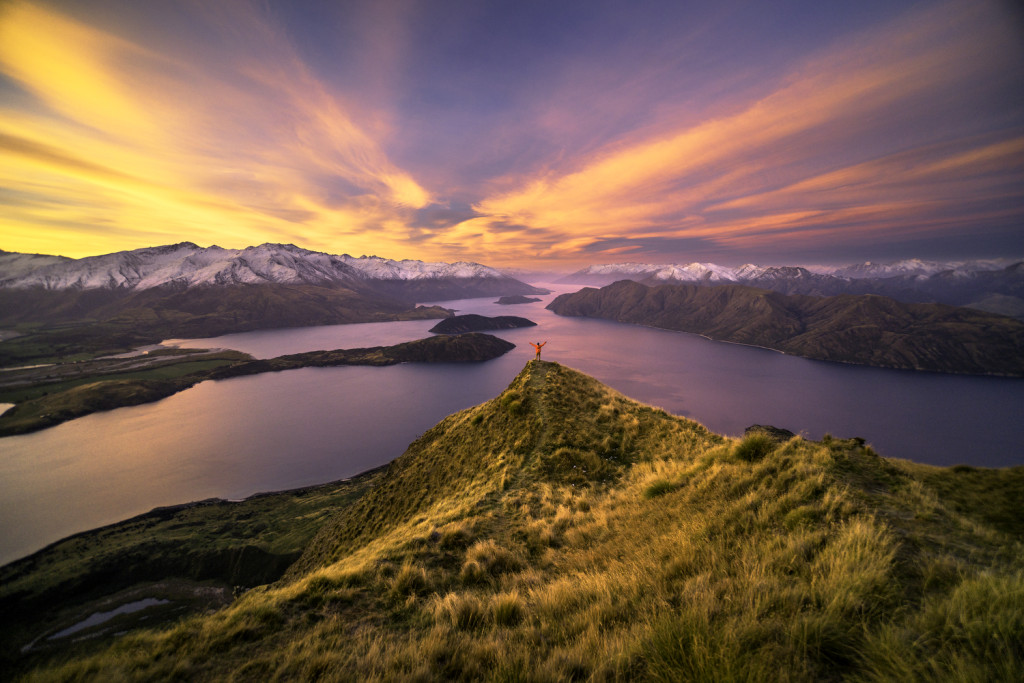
<point x="240" y="149"/>
<point x="779" y="166"/>
<point x="401" y="130"/>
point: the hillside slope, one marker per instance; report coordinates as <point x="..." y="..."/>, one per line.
<point x="563" y="532"/>
<point x="862" y="329"/>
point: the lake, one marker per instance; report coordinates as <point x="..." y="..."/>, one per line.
<point x="233" y="438"/>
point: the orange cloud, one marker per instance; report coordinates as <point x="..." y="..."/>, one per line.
<point x="128" y="140"/>
<point x="229" y="137"/>
<point x="717" y="179"/>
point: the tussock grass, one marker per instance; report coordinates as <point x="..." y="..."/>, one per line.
<point x="677" y="555"/>
<point x="755" y="446"/>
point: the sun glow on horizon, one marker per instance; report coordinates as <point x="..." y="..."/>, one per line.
<point x="116" y="137"/>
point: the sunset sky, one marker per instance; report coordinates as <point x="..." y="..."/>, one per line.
<point x="543" y="135"/>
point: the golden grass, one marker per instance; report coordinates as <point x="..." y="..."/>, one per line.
<point x="582" y="536"/>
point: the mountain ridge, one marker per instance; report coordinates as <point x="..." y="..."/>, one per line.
<point x="860" y="329"/>
<point x="187" y="264"/>
<point x="994" y="285"/>
<point x="113" y="302"/>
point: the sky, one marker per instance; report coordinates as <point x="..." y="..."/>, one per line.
<point x="534" y="135"/>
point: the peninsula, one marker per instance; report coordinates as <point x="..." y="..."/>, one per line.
<point x="42" y="404"/>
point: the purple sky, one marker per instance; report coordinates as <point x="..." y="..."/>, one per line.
<point x="532" y="134"/>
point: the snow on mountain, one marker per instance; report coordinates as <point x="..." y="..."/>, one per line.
<point x="13" y="264"/>
<point x="689" y="272"/>
<point x="620" y="269"/>
<point x="696" y="272"/>
<point x="187" y="264"/>
<point x="711" y="272"/>
<point x="917" y="268"/>
<point x="376" y="268"/>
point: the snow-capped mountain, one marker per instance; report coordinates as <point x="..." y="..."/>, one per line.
<point x="996" y="285"/>
<point x="696" y="272"/>
<point x="690" y="272"/>
<point x="189" y="265"/>
<point x="13" y="264"/>
<point x="916" y="268"/>
<point x="711" y="272"/>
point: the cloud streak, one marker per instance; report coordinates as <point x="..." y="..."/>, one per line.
<point x="237" y="150"/>
<point x="411" y="131"/>
<point x="755" y="175"/>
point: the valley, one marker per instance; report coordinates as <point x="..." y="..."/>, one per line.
<point x="520" y="342"/>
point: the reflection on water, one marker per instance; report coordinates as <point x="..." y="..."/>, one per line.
<point x="274" y="431"/>
<point x="270" y="343"/>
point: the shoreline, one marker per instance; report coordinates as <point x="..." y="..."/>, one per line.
<point x="103" y="392"/>
<point x="167" y="511"/>
<point x="958" y="373"/>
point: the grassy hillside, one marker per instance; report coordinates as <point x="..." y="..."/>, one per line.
<point x="862" y="329"/>
<point x="194" y="555"/>
<point x="563" y="532"/>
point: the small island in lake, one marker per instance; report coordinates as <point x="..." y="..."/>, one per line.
<point x="471" y="322"/>
<point x="516" y="299"/>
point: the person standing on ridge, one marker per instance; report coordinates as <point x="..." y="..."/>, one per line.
<point x="538" y="346"/>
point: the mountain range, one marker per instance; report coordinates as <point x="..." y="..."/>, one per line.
<point x="851" y="328"/>
<point x="61" y="306"/>
<point x="994" y="285"/>
<point x="186" y="265"/>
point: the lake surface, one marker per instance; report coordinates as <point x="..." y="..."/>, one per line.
<point x="275" y="431"/>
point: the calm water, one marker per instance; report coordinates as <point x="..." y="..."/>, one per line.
<point x="233" y="438"/>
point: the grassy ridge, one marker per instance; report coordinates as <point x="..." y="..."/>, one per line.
<point x="564" y="532"/>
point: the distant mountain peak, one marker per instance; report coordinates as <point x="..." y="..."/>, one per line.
<point x="185" y="263"/>
<point x="989" y="284"/>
